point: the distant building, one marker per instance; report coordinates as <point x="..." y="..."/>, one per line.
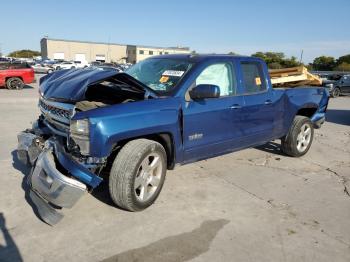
<point x="70" y="50"/>
<point x="138" y="53"/>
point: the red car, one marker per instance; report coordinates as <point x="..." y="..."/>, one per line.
<point x="15" y="75"/>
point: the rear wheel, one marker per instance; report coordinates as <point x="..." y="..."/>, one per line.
<point x="299" y="138"/>
<point x="14" y="83"/>
<point x="137" y="174"/>
<point x="336" y="92"/>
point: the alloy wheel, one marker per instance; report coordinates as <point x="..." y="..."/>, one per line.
<point x="148" y="177"/>
<point x="15" y="84"/>
<point x="304" y="138"/>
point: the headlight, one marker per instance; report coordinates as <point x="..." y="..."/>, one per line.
<point x="79" y="127"/>
<point x="79" y="132"/>
<point x="330" y="86"/>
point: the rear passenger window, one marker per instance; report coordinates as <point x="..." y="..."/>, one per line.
<point x="253" y="77"/>
<point x="220" y="75"/>
<point x="6" y="66"/>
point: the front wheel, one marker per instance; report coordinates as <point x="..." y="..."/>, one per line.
<point x="138" y="174"/>
<point x="336" y="92"/>
<point x="299" y="138"/>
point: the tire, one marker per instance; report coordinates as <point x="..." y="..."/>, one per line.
<point x="14" y="83"/>
<point x="58" y="68"/>
<point x="335" y="92"/>
<point x="130" y="187"/>
<point x="73" y="67"/>
<point x="299" y="138"/>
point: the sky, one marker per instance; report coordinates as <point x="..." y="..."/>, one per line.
<point x="215" y="26"/>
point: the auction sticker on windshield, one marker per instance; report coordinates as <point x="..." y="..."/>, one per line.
<point x="164" y="79"/>
<point x="173" y="73"/>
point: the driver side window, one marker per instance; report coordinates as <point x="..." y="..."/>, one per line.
<point x="221" y="75"/>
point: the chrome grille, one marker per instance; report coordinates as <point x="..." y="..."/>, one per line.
<point x="62" y="113"/>
<point x="56" y="114"/>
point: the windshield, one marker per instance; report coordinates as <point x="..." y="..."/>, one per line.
<point x="161" y="75"/>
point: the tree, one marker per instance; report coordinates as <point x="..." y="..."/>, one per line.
<point x="232" y="53"/>
<point x="324" y="63"/>
<point x="290" y="62"/>
<point x="275" y="65"/>
<point x="343" y="67"/>
<point x="343" y="59"/>
<point x="25" y="53"/>
<point x="277" y="60"/>
<point x="310" y="67"/>
<point x="270" y="57"/>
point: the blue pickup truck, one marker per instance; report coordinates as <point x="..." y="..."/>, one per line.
<point x="129" y="128"/>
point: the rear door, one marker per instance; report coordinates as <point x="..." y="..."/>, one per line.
<point x="211" y="125"/>
<point x="258" y="112"/>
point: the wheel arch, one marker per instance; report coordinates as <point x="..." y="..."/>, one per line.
<point x="307" y="110"/>
<point x="9" y="77"/>
<point x="165" y="139"/>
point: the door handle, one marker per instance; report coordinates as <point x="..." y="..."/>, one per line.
<point x="268" y="102"/>
<point x="235" y="106"/>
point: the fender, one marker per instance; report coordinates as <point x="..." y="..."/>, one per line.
<point x="112" y="124"/>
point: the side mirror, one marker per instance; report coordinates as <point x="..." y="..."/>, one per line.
<point x="205" y="91"/>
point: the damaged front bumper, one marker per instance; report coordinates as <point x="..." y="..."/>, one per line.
<point x="50" y="188"/>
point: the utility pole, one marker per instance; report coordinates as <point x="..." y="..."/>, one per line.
<point x="301" y="56"/>
<point x="108" y="58"/>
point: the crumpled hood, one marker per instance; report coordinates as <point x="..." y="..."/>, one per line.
<point x="70" y="85"/>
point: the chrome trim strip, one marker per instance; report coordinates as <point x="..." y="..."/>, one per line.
<point x="55" y="130"/>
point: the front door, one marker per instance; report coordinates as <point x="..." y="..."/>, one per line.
<point x="210" y="125"/>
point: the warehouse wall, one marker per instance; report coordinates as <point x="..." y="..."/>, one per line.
<point x="90" y="51"/>
<point x="115" y="53"/>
